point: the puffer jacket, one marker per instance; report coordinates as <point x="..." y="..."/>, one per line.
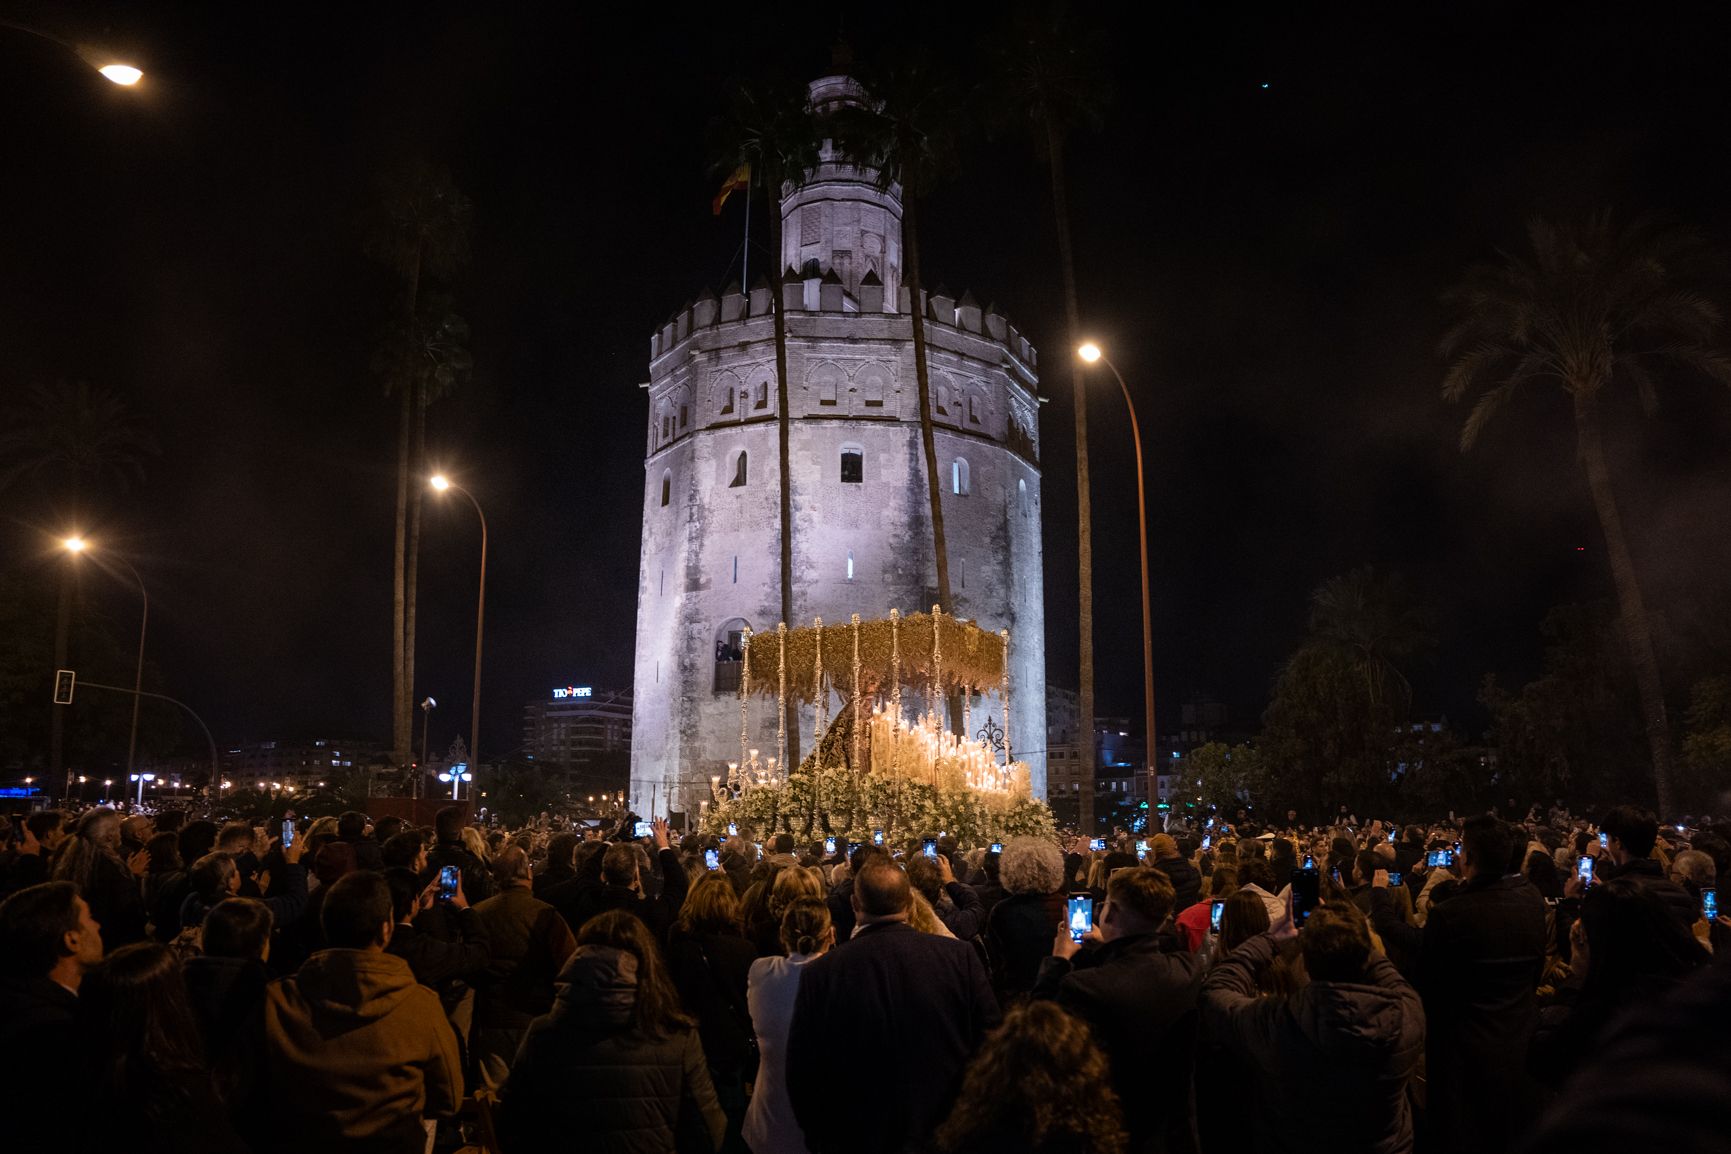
<point x="1330" y="1063"/>
<point x="1186" y="881"/>
<point x="586" y="1064"/>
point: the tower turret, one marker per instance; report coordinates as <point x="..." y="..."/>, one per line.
<point x="839" y="217"/>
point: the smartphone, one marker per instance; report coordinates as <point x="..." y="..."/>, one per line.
<point x="1207" y="840"/>
<point x="1392" y="830"/>
<point x="1215" y="913"/>
<point x="1440" y="858"/>
<point x="1396" y="878"/>
<point x="1306" y="893"/>
<point x="1142" y="847"/>
<point x="930" y="849"/>
<point x="712" y="859"/>
<point x="1604" y="840"/>
<point x="288" y="833"/>
<point x="1309" y="862"/>
<point x="829" y="845"/>
<point x="1097" y="843"/>
<point x="1584" y="870"/>
<point x="644" y="829"/>
<point x="1334" y="876"/>
<point x="1710" y="903"/>
<point x="1081" y="916"/>
<point x="732" y="829"/>
<point x="448" y="878"/>
<point x="853" y="848"/>
<point x="877" y="837"/>
<point x="997" y="847"/>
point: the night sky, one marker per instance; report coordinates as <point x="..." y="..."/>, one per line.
<point x="1264" y="226"/>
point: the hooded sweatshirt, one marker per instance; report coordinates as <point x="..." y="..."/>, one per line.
<point x="586" y="1063"/>
<point x="1330" y="1063"/>
<point x="360" y="1053"/>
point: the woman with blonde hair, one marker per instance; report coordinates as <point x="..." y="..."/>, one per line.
<point x="1039" y="1084"/>
<point x="806" y="934"/>
<point x="791" y="885"/>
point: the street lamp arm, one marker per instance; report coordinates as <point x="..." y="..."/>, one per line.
<point x="215" y="771"/>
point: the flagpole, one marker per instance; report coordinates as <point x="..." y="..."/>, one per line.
<point x="745" y="267"/>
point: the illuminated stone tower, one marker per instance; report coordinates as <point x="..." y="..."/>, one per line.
<point x="710" y="562"/>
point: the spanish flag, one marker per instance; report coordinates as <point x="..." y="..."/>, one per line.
<point x="740" y="179"/>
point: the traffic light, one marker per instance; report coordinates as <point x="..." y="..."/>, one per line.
<point x="64" y="680"/>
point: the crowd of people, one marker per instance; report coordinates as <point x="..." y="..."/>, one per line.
<point x="1483" y="984"/>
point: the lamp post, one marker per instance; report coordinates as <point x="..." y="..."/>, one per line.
<point x="141" y="778"/>
<point x="442" y="483"/>
<point x="427" y="708"/>
<point x="457" y="775"/>
<point x="76" y="545"/>
<point x="1091" y="353"/>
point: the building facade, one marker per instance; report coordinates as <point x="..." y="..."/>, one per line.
<point x="862" y="541"/>
<point x="582" y="733"/>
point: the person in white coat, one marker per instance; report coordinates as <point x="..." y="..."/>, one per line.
<point x="772" y="986"/>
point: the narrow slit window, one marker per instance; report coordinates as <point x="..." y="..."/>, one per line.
<point x="850" y="564"/>
<point x="736" y="569"/>
<point x="852" y="466"/>
<point x="959" y="479"/>
<point x="738" y="481"/>
<point x="666" y="489"/>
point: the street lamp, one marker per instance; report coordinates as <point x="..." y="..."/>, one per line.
<point x="427" y="708"/>
<point x="76" y="545"/>
<point x="141" y="778"/>
<point x="457" y="775"/>
<point x="1090" y="353"/>
<point x="107" y="65"/>
<point x="441" y="484"/>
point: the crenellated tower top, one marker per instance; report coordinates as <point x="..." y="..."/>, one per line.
<point x="839" y="221"/>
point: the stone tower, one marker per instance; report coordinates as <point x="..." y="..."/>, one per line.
<point x="710" y="562"/>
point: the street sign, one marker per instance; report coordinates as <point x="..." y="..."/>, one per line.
<point x="64" y="680"/>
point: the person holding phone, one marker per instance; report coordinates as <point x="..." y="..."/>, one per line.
<point x="445" y="966"/>
<point x="1631" y="834"/>
<point x="1332" y="1058"/>
<point x="1137" y="987"/>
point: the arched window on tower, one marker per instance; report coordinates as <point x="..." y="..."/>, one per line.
<point x="959" y="480"/>
<point x="738" y="481"/>
<point x="762" y="395"/>
<point x="729" y="654"/>
<point x="666" y="488"/>
<point x="852" y="465"/>
<point x="727" y="402"/>
<point x="973" y="410"/>
<point x="1022" y="496"/>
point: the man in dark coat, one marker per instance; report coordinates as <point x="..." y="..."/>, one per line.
<point x="1163" y="855"/>
<point x="1631" y="834"/>
<point x="910" y="1009"/>
<point x="47" y="941"/>
<point x="1330" y="1062"/>
<point x="447" y="967"/>
<point x="1138" y="989"/>
<point x="1480" y="955"/>
<point x="450" y="850"/>
<point x="622" y="887"/>
<point x="352" y="828"/>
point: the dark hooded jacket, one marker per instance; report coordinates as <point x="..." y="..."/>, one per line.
<point x="1330" y="1063"/>
<point x="1186" y="881"/>
<point x="589" y="1075"/>
<point x="361" y="1050"/>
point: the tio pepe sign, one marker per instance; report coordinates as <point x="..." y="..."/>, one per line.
<point x="573" y="691"/>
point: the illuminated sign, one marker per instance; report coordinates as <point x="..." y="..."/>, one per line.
<point x="573" y="691"/>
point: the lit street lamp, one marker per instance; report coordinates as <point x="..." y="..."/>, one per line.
<point x="457" y="775"/>
<point x="441" y="484"/>
<point x="76" y="545"/>
<point x="141" y="778"/>
<point x="1091" y="353"/>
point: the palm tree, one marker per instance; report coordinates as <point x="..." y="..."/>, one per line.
<point x="1368" y="618"/>
<point x="769" y="127"/>
<point x="1047" y="75"/>
<point x="1595" y="305"/>
<point x="909" y="138"/>
<point x="424" y="234"/>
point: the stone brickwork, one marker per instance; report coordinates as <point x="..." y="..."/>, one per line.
<point x="711" y="526"/>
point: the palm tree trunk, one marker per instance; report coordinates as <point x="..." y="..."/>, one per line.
<point x="412" y="563"/>
<point x="1084" y="501"/>
<point x="405" y="433"/>
<point x="922" y="374"/>
<point x="1636" y="631"/>
<point x="782" y="429"/>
